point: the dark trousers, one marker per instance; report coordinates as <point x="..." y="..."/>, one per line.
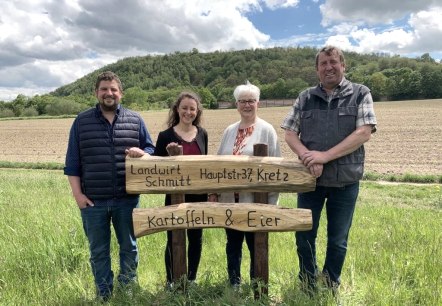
<point x="194" y="248"/>
<point x="234" y="254"/>
<point x="340" y="205"/>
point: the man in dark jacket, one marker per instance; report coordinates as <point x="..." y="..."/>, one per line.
<point x="99" y="140"/>
<point x="327" y="128"/>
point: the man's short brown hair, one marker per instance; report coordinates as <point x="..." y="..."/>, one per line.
<point x="329" y="50"/>
<point x="108" y="76"/>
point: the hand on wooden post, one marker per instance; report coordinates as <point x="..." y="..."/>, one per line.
<point x="174" y="149"/>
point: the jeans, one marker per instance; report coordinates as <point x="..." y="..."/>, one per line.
<point x="96" y="225"/>
<point x="195" y="246"/>
<point x="234" y="243"/>
<point x="340" y="206"/>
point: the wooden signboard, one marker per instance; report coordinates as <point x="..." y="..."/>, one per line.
<point x="178" y="175"/>
<point x="216" y="173"/>
<point x="248" y="217"/>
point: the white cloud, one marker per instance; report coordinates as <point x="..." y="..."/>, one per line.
<point x="368" y="41"/>
<point x="427" y="27"/>
<point x="275" y="4"/>
<point x="45" y="44"/>
<point x="371" y="12"/>
<point x="59" y="41"/>
<point x="422" y="31"/>
<point x="343" y="28"/>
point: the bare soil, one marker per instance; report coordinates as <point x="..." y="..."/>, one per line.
<point x="408" y="138"/>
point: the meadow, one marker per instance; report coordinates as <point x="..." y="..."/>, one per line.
<point x="394" y="254"/>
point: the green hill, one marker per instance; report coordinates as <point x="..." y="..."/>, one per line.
<point x="153" y="81"/>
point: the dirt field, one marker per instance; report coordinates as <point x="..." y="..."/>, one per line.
<point x="408" y="140"/>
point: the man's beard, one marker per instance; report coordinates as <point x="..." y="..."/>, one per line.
<point x="109" y="108"/>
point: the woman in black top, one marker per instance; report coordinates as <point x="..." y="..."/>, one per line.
<point x="184" y="129"/>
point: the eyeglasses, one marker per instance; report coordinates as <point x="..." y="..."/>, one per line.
<point x="244" y="102"/>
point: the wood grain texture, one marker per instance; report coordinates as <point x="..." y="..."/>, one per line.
<point x="215" y="173"/>
<point x="250" y="217"/>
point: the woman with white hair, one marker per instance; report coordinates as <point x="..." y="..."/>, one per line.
<point x="238" y="139"/>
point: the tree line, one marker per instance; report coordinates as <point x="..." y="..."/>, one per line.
<point x="154" y="81"/>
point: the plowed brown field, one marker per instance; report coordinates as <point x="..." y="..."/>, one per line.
<point x="408" y="140"/>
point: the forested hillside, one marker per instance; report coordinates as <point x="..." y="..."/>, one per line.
<point x="153" y="81"/>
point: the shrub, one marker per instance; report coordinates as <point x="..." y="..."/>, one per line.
<point x="5" y="113"/>
<point x="63" y="107"/>
<point x="29" y="112"/>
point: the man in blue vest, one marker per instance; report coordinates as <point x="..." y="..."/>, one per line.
<point x="327" y="128"/>
<point x="99" y="140"/>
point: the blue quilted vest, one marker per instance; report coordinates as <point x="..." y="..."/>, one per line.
<point x="102" y="151"/>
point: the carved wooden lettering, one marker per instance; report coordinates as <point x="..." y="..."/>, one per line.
<point x="216" y="173"/>
<point x="245" y="217"/>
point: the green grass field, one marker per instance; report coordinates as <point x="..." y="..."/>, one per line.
<point x="394" y="255"/>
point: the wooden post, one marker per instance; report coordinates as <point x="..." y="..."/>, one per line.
<point x="261" y="174"/>
<point x="178" y="256"/>
<point x="261" y="240"/>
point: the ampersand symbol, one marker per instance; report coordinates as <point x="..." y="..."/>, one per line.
<point x="229" y="221"/>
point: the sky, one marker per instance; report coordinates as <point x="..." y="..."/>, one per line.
<point x="45" y="44"/>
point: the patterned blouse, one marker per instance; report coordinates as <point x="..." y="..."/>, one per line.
<point x="241" y="139"/>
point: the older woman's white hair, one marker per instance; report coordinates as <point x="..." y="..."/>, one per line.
<point x="246" y="89"/>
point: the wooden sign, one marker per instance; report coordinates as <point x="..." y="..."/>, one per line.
<point x="216" y="173"/>
<point x="247" y="217"/>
